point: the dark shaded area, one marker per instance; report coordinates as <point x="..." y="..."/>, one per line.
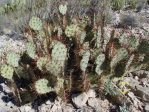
<point x="42" y="99"/>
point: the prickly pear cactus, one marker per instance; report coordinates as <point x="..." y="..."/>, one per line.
<point x="41" y="62"/>
<point x="120" y="55"/>
<point x="35" y="23"/>
<point x="31" y="49"/>
<point x="84" y="61"/>
<point x="7" y="72"/>
<point x="41" y="86"/>
<point x="13" y="59"/>
<point x="71" y="30"/>
<point x="99" y="61"/>
<point x="63" y="9"/>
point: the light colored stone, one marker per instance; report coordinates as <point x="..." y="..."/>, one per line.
<point x="6" y="88"/>
<point x="91" y="93"/>
<point x="146" y="108"/>
<point x="80" y="100"/>
<point x="26" y="108"/>
<point x="68" y="108"/>
<point x="141" y="91"/>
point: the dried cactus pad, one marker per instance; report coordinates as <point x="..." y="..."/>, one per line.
<point x="41" y="86"/>
<point x="35" y="23"/>
<point x="13" y="59"/>
<point x="7" y="72"/>
<point x="63" y="9"/>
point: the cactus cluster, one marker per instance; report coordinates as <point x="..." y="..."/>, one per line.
<point x="60" y="49"/>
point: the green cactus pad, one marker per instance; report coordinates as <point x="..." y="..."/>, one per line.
<point x="31" y="49"/>
<point x="84" y="61"/>
<point x="7" y="72"/>
<point x="133" y="42"/>
<point x="41" y="62"/>
<point x="54" y="67"/>
<point x="35" y="23"/>
<point x="41" y="86"/>
<point x="59" y="52"/>
<point x="13" y="59"/>
<point x="120" y="55"/>
<point x="71" y="30"/>
<point x="63" y="9"/>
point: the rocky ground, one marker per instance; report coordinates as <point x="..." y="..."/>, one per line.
<point x="88" y="101"/>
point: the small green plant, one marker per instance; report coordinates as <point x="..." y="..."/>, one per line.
<point x="118" y="4"/>
<point x="132" y="3"/>
<point x="123" y="108"/>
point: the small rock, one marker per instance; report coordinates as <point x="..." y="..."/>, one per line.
<point x="68" y="108"/>
<point x="85" y="109"/>
<point x="91" y="93"/>
<point x="6" y="88"/>
<point x="146" y="108"/>
<point x="44" y="108"/>
<point x="26" y="108"/>
<point x="48" y="102"/>
<point x="80" y="100"/>
<point x="94" y="103"/>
